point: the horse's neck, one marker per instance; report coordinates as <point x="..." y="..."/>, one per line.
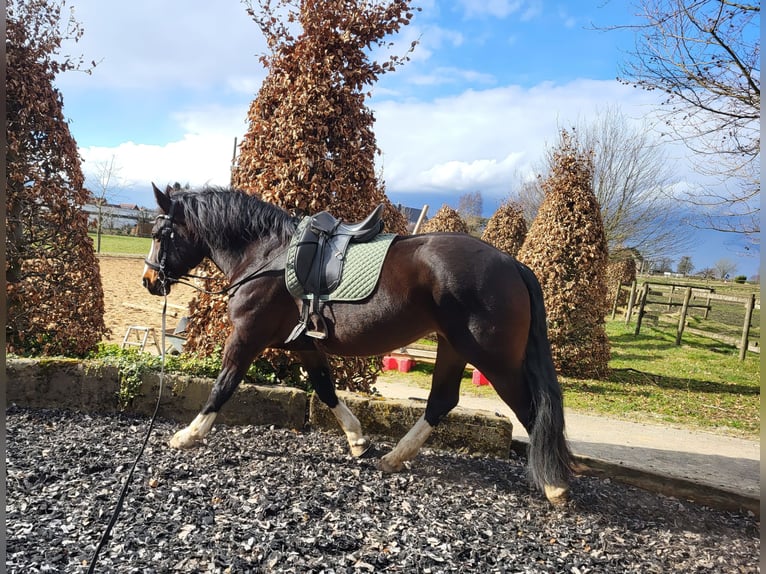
<point x="237" y="263"/>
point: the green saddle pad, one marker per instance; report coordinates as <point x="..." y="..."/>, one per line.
<point x="361" y="270"/>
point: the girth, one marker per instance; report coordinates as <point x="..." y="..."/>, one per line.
<point x="321" y="245"/>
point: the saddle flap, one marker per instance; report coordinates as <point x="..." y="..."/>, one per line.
<point x="332" y="262"/>
<point x="305" y="254"/>
<point x="304" y="257"/>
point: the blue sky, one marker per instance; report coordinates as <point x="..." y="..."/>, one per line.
<point x="486" y="90"/>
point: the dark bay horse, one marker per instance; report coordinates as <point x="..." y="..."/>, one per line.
<point x="485" y="307"/>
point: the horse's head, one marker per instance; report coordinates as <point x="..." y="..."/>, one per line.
<point x="174" y="250"/>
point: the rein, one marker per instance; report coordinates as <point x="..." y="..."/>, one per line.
<point x="233" y="286"/>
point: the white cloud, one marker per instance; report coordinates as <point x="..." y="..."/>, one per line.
<point x="176" y="43"/>
<point x="534" y="8"/>
<point x="213" y="119"/>
<point x="478" y="140"/>
<point x="195" y="159"/>
<point x="481" y="140"/>
<point x="496" y="8"/>
<point x="202" y="156"/>
<point x="567" y="19"/>
<point x="449" y="75"/>
<point x="473" y="175"/>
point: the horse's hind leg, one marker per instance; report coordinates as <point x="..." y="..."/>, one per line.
<point x="444" y="396"/>
<point x="321" y="379"/>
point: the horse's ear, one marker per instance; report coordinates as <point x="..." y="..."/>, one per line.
<point x="163" y="199"/>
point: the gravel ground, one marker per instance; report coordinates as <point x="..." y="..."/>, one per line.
<point x="258" y="499"/>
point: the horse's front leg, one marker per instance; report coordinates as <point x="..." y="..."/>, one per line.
<point x="237" y="357"/>
<point x="318" y="369"/>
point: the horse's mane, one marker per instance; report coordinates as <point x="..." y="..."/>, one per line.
<point x="230" y="218"/>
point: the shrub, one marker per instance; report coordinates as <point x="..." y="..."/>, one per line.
<point x="619" y="272"/>
<point x="446" y="220"/>
<point x="55" y="301"/>
<point x="506" y="229"/>
<point x="132" y="364"/>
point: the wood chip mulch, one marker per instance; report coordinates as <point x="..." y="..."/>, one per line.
<point x="260" y="499"/>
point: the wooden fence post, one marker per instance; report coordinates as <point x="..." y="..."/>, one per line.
<point x="421" y="217"/>
<point x="682" y="316"/>
<point x="642" y="295"/>
<point x="616" y="298"/>
<point x="670" y="297"/>
<point x="631" y="301"/>
<point x="746" y="327"/>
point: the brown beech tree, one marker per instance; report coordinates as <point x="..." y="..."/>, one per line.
<point x="566" y="248"/>
<point x="445" y="220"/>
<point x="631" y="178"/>
<point x="310" y="144"/>
<point x="55" y="301"/>
<point x="620" y="270"/>
<point x="506" y="229"/>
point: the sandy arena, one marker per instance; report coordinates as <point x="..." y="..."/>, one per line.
<point x="127" y="303"/>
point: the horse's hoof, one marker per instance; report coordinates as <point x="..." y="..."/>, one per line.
<point x="386" y="465"/>
<point x="181" y="440"/>
<point x="557" y="495"/>
<point x="359" y="450"/>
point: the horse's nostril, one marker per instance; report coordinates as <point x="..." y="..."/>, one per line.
<point x="145" y="281"/>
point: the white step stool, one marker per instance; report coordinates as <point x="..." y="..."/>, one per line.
<point x="142" y="335"/>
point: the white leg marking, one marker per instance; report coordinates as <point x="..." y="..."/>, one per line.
<point x="195" y="432"/>
<point x="557" y="494"/>
<point x="353" y="429"/>
<point x="408" y="446"/>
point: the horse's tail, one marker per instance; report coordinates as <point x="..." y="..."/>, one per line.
<point x="548" y="455"/>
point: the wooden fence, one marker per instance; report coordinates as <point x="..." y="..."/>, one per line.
<point x="688" y="296"/>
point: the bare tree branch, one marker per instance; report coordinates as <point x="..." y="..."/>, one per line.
<point x="104" y="173"/>
<point x="705" y="55"/>
<point x="631" y="178"/>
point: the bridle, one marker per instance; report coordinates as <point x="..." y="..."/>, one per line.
<point x="167" y="235"/>
<point x="166" y="240"/>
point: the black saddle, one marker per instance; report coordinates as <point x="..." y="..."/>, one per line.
<point x="319" y="257"/>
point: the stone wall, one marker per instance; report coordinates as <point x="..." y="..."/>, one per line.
<point x="90" y="386"/>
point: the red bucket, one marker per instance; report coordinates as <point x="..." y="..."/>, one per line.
<point x="478" y="379"/>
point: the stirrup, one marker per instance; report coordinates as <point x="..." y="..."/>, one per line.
<point x="319" y="330"/>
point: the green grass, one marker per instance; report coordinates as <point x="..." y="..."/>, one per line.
<point x="123" y="244"/>
<point x="701" y="384"/>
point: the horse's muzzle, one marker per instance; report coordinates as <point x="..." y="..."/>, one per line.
<point x="152" y="282"/>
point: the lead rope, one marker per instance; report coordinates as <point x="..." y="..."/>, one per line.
<point x="118" y="507"/>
